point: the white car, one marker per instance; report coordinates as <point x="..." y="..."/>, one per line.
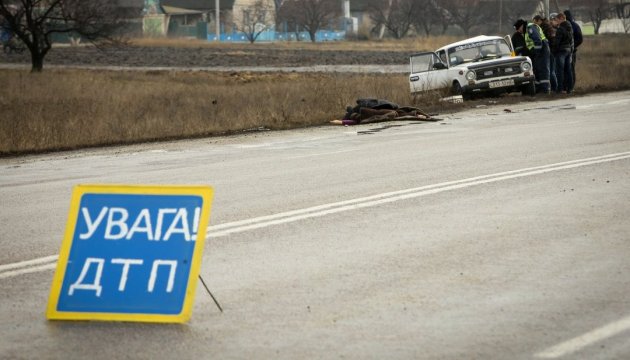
<point x="479" y="64"/>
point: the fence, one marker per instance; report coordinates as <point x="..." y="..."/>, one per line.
<point x="271" y="35"/>
<point x="200" y="31"/>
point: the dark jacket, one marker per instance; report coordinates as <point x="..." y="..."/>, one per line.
<point x="550" y="33"/>
<point x="577" y="30"/>
<point x="564" y="37"/>
<point x="518" y="43"/>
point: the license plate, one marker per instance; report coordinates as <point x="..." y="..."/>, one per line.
<point x="501" y="83"/>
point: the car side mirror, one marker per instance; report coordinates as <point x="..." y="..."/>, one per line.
<point x="439" y="66"/>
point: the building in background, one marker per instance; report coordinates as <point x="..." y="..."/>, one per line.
<point x="239" y="19"/>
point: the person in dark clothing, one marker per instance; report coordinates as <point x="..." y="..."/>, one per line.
<point x="367" y="113"/>
<point x="577" y="41"/>
<point x="550" y="34"/>
<point x="518" y="39"/>
<point x="369" y="116"/>
<point x="563" y="48"/>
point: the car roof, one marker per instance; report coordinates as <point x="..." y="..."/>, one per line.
<point x="470" y="40"/>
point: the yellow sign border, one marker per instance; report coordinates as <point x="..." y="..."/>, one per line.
<point x="205" y="192"/>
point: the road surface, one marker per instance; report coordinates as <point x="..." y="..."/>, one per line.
<point x="493" y="234"/>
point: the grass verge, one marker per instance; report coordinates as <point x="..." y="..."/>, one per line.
<point x="69" y="109"/>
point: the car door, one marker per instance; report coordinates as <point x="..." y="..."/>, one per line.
<point x="427" y="72"/>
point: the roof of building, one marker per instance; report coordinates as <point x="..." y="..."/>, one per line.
<point x="179" y="11"/>
<point x="199" y="5"/>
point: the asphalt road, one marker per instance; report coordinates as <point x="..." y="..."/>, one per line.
<point x="492" y="234"/>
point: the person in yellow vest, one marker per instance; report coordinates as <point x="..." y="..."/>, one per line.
<point x="550" y="34"/>
<point x="539" y="52"/>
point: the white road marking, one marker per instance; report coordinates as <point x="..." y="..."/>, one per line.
<point x="29" y="266"/>
<point x="374" y="200"/>
<point x="28" y="270"/>
<point x="589" y="338"/>
<point x="20" y="264"/>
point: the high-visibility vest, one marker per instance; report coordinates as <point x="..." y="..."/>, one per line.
<point x="528" y="40"/>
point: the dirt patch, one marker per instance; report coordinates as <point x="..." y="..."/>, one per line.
<point x="211" y="56"/>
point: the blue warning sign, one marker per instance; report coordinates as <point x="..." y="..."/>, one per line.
<point x="131" y="253"/>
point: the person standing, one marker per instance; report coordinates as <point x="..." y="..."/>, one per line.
<point x="518" y="39"/>
<point x="550" y="34"/>
<point x="538" y="48"/>
<point x="577" y="41"/>
<point x="563" y="50"/>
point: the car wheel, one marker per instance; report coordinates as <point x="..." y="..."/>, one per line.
<point x="529" y="89"/>
<point x="456" y="89"/>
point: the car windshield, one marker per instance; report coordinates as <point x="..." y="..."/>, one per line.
<point x="478" y="51"/>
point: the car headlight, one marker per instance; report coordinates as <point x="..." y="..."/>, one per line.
<point x="470" y="75"/>
<point x="525" y="66"/>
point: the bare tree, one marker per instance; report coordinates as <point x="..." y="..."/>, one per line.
<point x="397" y="16"/>
<point x="311" y="15"/>
<point x="466" y="14"/>
<point x="34" y="22"/>
<point x="278" y="5"/>
<point x="427" y="16"/>
<point x="622" y="12"/>
<point x="379" y="21"/>
<point x="254" y="20"/>
<point x="514" y="10"/>
<point x="596" y="10"/>
<point x="446" y="19"/>
<point x="470" y="15"/>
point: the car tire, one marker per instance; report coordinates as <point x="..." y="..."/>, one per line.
<point x="529" y="89"/>
<point x="456" y="90"/>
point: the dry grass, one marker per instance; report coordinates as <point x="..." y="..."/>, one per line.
<point x="61" y="109"/>
<point x="603" y="64"/>
<point x="65" y="109"/>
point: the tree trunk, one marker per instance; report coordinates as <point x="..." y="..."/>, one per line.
<point x="37" y="61"/>
<point x="381" y="32"/>
<point x="557" y="6"/>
